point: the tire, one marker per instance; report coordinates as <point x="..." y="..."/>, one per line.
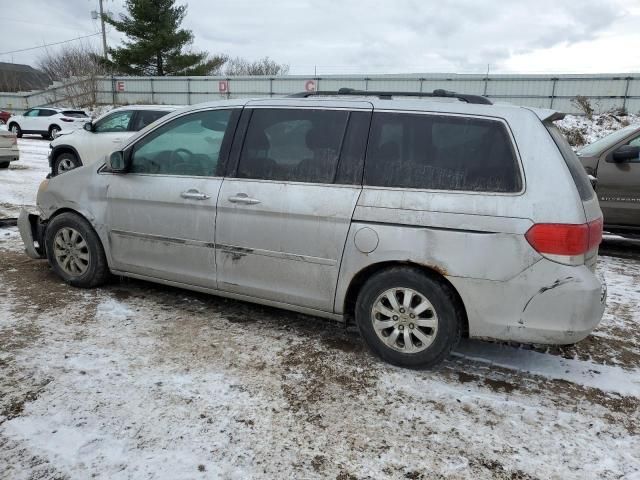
<point x="4" y="165"/>
<point x="54" y="130"/>
<point x="64" y="162"/>
<point x="15" y="128"/>
<point x="440" y="317"/>
<point x="75" y="252"/>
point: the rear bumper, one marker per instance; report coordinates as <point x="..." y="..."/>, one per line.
<point x="9" y="155"/>
<point x="32" y="233"/>
<point x="548" y="303"/>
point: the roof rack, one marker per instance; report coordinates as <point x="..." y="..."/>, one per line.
<point x="477" y="99"/>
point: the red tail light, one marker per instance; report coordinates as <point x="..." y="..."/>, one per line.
<point x="565" y="239"/>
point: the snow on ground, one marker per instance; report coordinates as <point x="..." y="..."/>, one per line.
<point x="19" y="183"/>
<point x="581" y="130"/>
<point x="136" y="380"/>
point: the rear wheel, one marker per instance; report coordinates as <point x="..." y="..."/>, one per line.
<point x="75" y="252"/>
<point x="54" y="131"/>
<point x="4" y="165"/>
<point x="15" y="128"/>
<point x="408" y="318"/>
<point x="65" y="162"/>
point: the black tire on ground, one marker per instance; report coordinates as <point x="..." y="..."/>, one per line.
<point x="53" y="131"/>
<point x="46" y="136"/>
<point x="4" y="165"/>
<point x="97" y="270"/>
<point x="446" y="314"/>
<point x="64" y="162"/>
<point x="15" y="128"/>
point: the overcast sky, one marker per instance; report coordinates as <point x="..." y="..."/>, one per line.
<point x="392" y="36"/>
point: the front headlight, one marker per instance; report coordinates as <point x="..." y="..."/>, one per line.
<point x="43" y="186"/>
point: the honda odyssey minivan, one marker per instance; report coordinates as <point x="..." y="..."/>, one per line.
<point x="423" y="219"/>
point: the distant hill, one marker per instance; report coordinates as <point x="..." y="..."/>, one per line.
<point x="15" y="77"/>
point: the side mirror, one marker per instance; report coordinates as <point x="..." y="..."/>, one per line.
<point x="88" y="127"/>
<point x="116" y="162"/>
<point x="626" y="153"/>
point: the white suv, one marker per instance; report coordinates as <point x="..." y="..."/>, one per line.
<point x="47" y="121"/>
<point x="102" y="136"/>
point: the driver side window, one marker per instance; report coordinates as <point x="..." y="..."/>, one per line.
<point x="116" y="122"/>
<point x="189" y="145"/>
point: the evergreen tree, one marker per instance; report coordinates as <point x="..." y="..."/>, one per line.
<point x="156" y="42"/>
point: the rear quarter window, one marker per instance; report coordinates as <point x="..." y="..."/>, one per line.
<point x="578" y="173"/>
<point x="75" y="114"/>
<point x="441" y="152"/>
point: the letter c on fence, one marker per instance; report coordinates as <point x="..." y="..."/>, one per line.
<point x="223" y="86"/>
<point x="310" y="86"/>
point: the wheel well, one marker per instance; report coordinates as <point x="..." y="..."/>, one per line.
<point x="54" y="125"/>
<point x="13" y="123"/>
<point x="61" y="150"/>
<point x="363" y="275"/>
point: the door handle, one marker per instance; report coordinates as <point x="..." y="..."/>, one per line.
<point x="194" y="194"/>
<point x="244" y="199"/>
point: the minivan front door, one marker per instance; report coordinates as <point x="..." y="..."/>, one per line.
<point x="162" y="212"/>
<point x="284" y="214"/>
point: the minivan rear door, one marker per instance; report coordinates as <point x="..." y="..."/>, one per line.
<point x="285" y="206"/>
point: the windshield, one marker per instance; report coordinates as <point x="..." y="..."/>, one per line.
<point x="607" y="142"/>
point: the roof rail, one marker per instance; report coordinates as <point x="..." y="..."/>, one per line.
<point x="477" y="99"/>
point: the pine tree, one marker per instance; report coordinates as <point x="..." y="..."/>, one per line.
<point x="156" y="42"/>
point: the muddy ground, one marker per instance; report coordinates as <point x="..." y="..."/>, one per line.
<point x="136" y="380"/>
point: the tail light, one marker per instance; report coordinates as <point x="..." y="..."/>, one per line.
<point x="67" y="119"/>
<point x="565" y="243"/>
<point x="14" y="140"/>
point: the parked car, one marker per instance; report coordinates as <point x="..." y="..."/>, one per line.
<point x="615" y="163"/>
<point x="101" y="136"/>
<point x="423" y="220"/>
<point x="8" y="149"/>
<point x="4" y="116"/>
<point x="46" y="121"/>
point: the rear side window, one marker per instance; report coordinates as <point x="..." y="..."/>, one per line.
<point x="145" y="117"/>
<point x="74" y="114"/>
<point x="576" y="169"/>
<point x="440" y="152"/>
<point x="293" y="145"/>
<point x="46" y="113"/>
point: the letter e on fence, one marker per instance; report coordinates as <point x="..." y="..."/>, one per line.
<point x="120" y="86"/>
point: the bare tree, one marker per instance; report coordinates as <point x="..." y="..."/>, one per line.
<point x="584" y="105"/>
<point x="77" y="67"/>
<point x="265" y="66"/>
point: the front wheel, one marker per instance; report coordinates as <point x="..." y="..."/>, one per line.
<point x="65" y="162"/>
<point x="75" y="252"/>
<point x="4" y="165"/>
<point x="408" y="318"/>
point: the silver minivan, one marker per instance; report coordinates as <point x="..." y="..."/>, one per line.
<point x="423" y="219"/>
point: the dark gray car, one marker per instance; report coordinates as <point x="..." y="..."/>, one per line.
<point x="615" y="161"/>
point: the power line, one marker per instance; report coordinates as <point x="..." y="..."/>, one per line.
<point x="51" y="44"/>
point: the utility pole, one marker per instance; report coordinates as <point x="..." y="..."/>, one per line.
<point x="104" y="34"/>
